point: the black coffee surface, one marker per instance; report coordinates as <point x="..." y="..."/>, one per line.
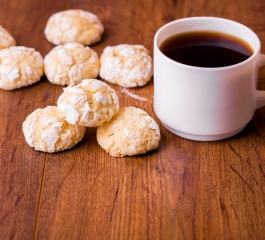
<point x="206" y="49"/>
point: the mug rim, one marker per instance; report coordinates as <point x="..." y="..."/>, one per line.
<point x="255" y="51"/>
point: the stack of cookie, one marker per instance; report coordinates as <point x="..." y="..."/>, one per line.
<point x="92" y="103"/>
<point x="56" y="128"/>
<point x="86" y="102"/>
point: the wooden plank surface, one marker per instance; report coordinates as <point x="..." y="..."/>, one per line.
<point x="21" y="169"/>
<point x="182" y="190"/>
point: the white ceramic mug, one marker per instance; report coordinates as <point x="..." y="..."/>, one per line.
<point x="206" y="104"/>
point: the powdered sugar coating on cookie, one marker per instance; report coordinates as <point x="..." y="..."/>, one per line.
<point x="73" y="26"/>
<point x="90" y="103"/>
<point x="6" y="39"/>
<point x="71" y="63"/>
<point x="130" y="132"/>
<point x="126" y="65"/>
<point x="46" y="132"/>
<point x="19" y="67"/>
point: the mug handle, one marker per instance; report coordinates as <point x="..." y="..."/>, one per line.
<point x="260" y="102"/>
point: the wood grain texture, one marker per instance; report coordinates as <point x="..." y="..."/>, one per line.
<point x="21" y="169"/>
<point x="183" y="190"/>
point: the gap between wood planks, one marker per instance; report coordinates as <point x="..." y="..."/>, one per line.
<point x="44" y="167"/>
<point x="67" y="6"/>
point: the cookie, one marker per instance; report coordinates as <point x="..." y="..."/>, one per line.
<point x="6" y="39"/>
<point x="73" y="26"/>
<point x="19" y="67"/>
<point x="89" y="104"/>
<point x="131" y="132"/>
<point x="46" y="132"/>
<point x="71" y="63"/>
<point x="126" y="65"/>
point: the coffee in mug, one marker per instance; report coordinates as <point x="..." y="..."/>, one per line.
<point x="206" y="49"/>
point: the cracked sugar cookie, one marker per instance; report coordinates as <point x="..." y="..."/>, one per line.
<point x="73" y="26"/>
<point x="126" y="65"/>
<point x="89" y="104"/>
<point x="47" y="132"/>
<point x="19" y="67"/>
<point x="6" y="39"/>
<point x="130" y="132"/>
<point x="71" y="63"/>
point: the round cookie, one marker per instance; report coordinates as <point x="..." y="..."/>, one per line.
<point x="6" y="39"/>
<point x="71" y="63"/>
<point x="73" y="26"/>
<point x="89" y="104"/>
<point x="46" y="132"/>
<point x="126" y="65"/>
<point x="130" y="132"/>
<point x="19" y="67"/>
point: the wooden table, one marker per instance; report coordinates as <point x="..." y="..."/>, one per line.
<point x="183" y="190"/>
